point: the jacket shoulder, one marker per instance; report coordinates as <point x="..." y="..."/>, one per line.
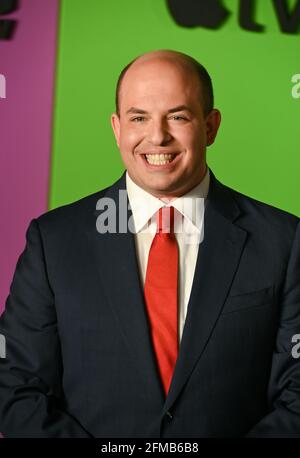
<point x="73" y="213"/>
<point x="263" y="208"/>
<point x="268" y="218"/>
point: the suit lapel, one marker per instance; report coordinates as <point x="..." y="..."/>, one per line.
<point x="217" y="263"/>
<point x="117" y="265"/>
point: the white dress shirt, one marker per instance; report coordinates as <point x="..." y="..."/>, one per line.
<point x="188" y="228"/>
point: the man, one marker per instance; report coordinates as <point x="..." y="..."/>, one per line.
<point x="111" y="333"/>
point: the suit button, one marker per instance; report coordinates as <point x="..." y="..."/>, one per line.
<point x="169" y="416"/>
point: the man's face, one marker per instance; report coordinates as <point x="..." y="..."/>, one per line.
<point x="162" y="132"/>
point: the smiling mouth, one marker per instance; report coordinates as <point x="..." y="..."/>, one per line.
<point x="159" y="159"/>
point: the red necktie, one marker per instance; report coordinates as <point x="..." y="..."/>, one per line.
<point x="161" y="294"/>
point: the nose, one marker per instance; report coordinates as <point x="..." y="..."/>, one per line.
<point x="159" y="134"/>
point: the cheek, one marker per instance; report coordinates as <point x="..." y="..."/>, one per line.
<point x="191" y="146"/>
<point x="129" y="139"/>
<point x="194" y="143"/>
<point x="189" y="136"/>
<point x="197" y="141"/>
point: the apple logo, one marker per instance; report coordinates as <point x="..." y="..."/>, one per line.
<point x="212" y="14"/>
<point x="204" y="13"/>
<point x="7" y="26"/>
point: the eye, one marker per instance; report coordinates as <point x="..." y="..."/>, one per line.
<point x="179" y="118"/>
<point x="138" y="119"/>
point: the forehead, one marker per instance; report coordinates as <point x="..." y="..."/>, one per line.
<point x="159" y="81"/>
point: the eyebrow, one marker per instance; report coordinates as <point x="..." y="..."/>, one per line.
<point x="171" y="110"/>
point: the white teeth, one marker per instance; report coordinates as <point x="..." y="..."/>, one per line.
<point x="159" y="159"/>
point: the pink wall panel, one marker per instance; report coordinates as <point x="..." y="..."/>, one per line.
<point x="28" y="63"/>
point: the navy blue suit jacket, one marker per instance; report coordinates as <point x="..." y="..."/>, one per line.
<point x="79" y="358"/>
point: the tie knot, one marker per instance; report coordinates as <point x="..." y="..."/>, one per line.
<point x="165" y="220"/>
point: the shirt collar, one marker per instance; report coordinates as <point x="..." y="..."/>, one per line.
<point x="144" y="205"/>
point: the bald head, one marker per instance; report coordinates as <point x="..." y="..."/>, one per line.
<point x="181" y="62"/>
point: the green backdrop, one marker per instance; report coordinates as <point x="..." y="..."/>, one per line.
<point x="257" y="148"/>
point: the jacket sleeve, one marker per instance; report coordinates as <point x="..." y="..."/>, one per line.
<point x="31" y="394"/>
<point x="284" y="386"/>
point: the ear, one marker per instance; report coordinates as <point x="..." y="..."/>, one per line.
<point x="213" y="121"/>
<point x="115" y="123"/>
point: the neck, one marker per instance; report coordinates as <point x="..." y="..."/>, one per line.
<point x="169" y="197"/>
